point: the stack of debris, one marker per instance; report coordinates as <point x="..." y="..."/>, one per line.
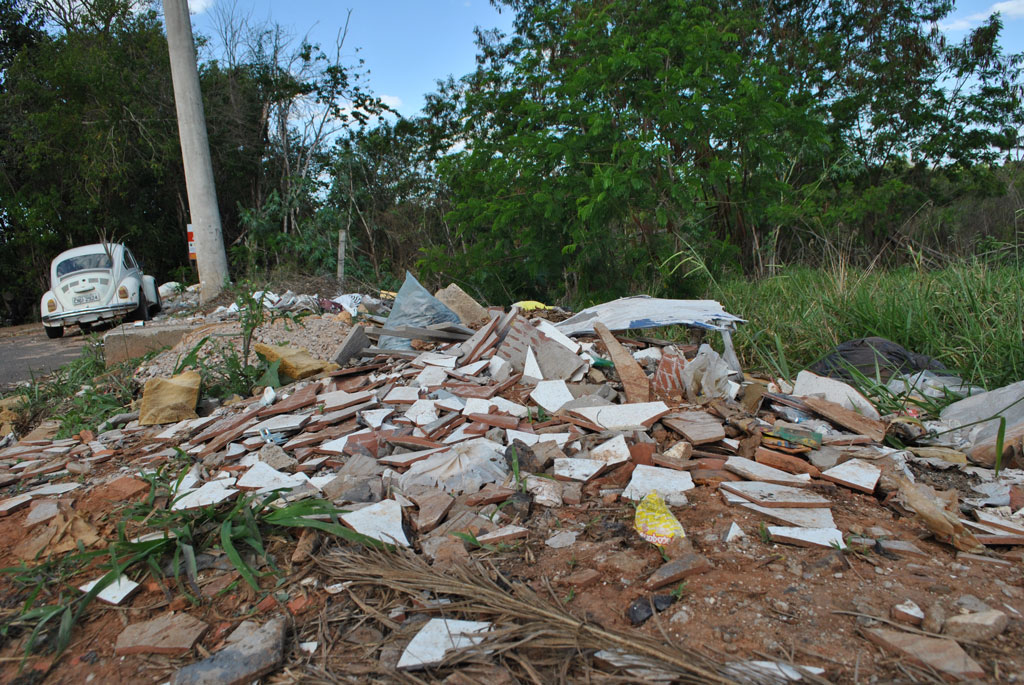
<point x="470" y="437"/>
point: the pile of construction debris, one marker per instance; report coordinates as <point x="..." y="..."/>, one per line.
<point x="445" y="442"/>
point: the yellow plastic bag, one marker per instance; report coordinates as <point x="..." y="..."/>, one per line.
<point x="655" y="521"/>
<point x="530" y="305"/>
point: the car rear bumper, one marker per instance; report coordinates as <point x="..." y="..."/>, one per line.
<point x="88" y="315"/>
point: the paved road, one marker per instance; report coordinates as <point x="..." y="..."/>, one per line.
<point x="25" y="350"/>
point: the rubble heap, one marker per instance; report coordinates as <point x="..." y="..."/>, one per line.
<point x="537" y="446"/>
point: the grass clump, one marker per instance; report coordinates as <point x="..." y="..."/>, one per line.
<point x="967" y="315"/>
<point x="80" y="394"/>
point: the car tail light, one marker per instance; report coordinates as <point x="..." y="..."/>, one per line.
<point x="51" y="306"/>
<point x="122" y="292"/>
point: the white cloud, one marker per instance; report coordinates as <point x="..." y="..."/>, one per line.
<point x="199" y="6"/>
<point x="392" y="101"/>
<point x="1009" y="9"/>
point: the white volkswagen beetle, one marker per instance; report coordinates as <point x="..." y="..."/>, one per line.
<point x="96" y="283"/>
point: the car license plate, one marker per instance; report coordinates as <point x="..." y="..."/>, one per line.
<point x="85" y="299"/>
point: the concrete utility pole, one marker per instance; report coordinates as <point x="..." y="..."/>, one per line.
<point x="195" y="150"/>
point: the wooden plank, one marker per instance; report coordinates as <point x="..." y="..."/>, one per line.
<point x="417" y="333"/>
<point x="851" y="420"/>
<point x="698" y="427"/>
<point x="634" y="380"/>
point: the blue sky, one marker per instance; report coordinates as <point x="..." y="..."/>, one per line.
<point x="409" y="44"/>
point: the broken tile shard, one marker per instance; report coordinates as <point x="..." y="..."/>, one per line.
<point x="438" y="637"/>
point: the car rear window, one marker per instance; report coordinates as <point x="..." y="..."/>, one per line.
<point x="83" y="262"/>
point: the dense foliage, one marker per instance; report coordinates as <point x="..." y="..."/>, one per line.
<point x="603" y="147"/>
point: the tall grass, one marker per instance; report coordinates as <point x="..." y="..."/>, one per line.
<point x="969" y="316"/>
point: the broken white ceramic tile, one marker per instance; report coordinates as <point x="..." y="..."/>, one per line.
<point x="614" y="451"/>
<point x="562" y="539"/>
<point x="752" y="470"/>
<point x="473" y="369"/>
<point x="209" y="494"/>
<point x="545" y="491"/>
<point x="339" y="399"/>
<point x="773" y="495"/>
<point x="337" y="446"/>
<point x="458" y="435"/>
<point x="551" y="395"/>
<point x="498" y="369"/>
<point x="421" y="412"/>
<point x="734" y="533"/>
<point x="381" y="521"/>
<point x="116" y="592"/>
<point x="446" y="361"/>
<point x="263" y="477"/>
<point x="809" y="383"/>
<point x="768" y="671"/>
<point x="476" y="405"/>
<point x="531" y="369"/>
<point x="618" y="416"/>
<point x="578" y="469"/>
<point x="11" y="503"/>
<point x="408" y="458"/>
<point x="669" y="483"/>
<point x="531" y="439"/>
<point x="437" y="638"/>
<point x="999" y="522"/>
<point x="431" y="376"/>
<point x="375" y="417"/>
<point x="284" y="423"/>
<point x="53" y="489"/>
<point x="402" y="394"/>
<point x="855" y="473"/>
<point x="807" y="537"/>
<point x="549" y="330"/>
<point x="816" y="517"/>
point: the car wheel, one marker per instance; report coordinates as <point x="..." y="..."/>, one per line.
<point x="141" y="312"/>
<point x="158" y="306"/>
<point x="53" y="332"/>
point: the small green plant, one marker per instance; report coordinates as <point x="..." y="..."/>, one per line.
<point x="237" y="528"/>
<point x="470" y="539"/>
<point x="762" y="531"/>
<point x="233" y="371"/>
<point x="519" y="480"/>
<point x="571" y="595"/>
<point x="680" y="590"/>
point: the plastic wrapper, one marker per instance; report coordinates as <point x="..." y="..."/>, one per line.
<point x="414" y="306"/>
<point x="655" y="521"/>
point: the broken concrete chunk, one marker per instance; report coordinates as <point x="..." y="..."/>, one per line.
<point x="381" y="521"/>
<point x="438" y="637"/>
<point x="252" y="651"/>
<point x="981" y="626"/>
<point x="296" y="362"/>
<point x="545" y="492"/>
<point x="172" y="634"/>
<point x="908" y="612"/>
<point x="273" y="456"/>
<point x="689" y="564"/>
<point x="562" y="539"/>
<point x="943" y="655"/>
<point x="455" y="298"/>
<point x="169" y="400"/>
